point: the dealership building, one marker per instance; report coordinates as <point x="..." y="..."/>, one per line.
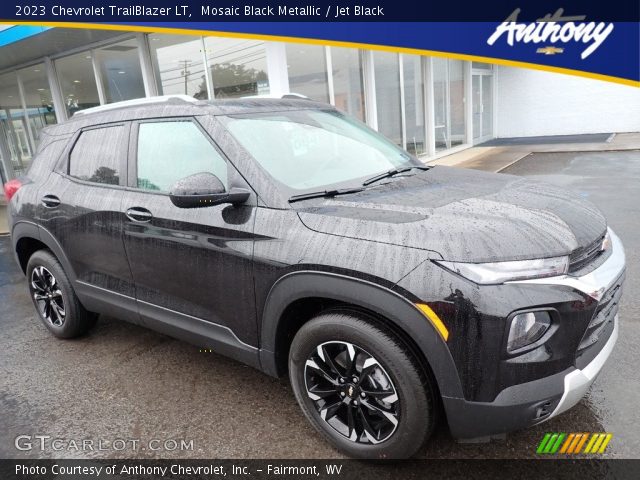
<point x="432" y="106"/>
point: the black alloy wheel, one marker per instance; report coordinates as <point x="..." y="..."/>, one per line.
<point x="352" y="392"/>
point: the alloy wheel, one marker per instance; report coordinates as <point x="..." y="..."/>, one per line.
<point x="48" y="296"/>
<point x="352" y="392"/>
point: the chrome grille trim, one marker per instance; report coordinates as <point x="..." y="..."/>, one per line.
<point x="595" y="283"/>
<point x="582" y="257"/>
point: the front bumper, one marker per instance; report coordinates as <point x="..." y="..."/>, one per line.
<point x="527" y="404"/>
<point x="536" y="401"/>
<point x="578" y="381"/>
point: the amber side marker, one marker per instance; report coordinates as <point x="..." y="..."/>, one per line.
<point x="434" y="319"/>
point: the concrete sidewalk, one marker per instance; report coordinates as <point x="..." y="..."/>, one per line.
<point x="496" y="159"/>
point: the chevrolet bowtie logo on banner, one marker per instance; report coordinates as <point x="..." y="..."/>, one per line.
<point x="574" y="443"/>
<point x="550" y="50"/>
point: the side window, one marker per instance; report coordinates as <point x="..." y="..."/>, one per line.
<point x="96" y="155"/>
<point x="169" y="151"/>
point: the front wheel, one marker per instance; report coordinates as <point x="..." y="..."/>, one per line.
<point x="360" y="387"/>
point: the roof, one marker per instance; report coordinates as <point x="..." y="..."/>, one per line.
<point x="212" y="107"/>
<point x="176" y="106"/>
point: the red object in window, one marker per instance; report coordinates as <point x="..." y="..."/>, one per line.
<point x="11" y="187"/>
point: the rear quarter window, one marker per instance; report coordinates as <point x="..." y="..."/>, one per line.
<point x="49" y="153"/>
<point x="96" y="155"/>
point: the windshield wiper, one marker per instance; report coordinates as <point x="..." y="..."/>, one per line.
<point x="325" y="193"/>
<point x="392" y="173"/>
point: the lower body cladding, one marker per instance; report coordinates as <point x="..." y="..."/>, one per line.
<point x="505" y="390"/>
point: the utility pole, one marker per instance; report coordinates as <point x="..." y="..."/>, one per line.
<point x="185" y="73"/>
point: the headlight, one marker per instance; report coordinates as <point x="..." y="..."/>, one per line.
<point x="500" y="272"/>
<point x="527" y="328"/>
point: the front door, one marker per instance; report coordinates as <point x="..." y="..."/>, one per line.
<point x="189" y="265"/>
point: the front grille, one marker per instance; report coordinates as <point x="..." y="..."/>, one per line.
<point x="604" y="315"/>
<point x="582" y="257"/>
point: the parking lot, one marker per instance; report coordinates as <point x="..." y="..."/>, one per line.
<point x="124" y="382"/>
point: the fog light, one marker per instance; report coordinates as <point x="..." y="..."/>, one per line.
<point x="527" y="328"/>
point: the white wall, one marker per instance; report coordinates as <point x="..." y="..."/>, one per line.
<point x="532" y="102"/>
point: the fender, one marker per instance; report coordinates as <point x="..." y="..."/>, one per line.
<point x="394" y="307"/>
<point x="22" y="229"/>
<point x="25" y="229"/>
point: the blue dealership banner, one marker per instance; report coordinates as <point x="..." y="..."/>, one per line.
<point x="599" y="40"/>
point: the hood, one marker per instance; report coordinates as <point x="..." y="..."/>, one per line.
<point x="464" y="215"/>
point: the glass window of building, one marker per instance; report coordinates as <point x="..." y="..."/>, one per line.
<point x="456" y="101"/>
<point x="414" y="104"/>
<point x="386" y="67"/>
<point x="13" y="125"/>
<point x="307" y="69"/>
<point x="77" y="82"/>
<point x="482" y="66"/>
<point x="238" y="67"/>
<point x="119" y="67"/>
<point x="487" y="105"/>
<point x="347" y="81"/>
<point x="448" y="97"/>
<point x="38" y="99"/>
<point x="178" y="65"/>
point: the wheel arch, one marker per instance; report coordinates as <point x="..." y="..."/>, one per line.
<point x="28" y="237"/>
<point x="318" y="291"/>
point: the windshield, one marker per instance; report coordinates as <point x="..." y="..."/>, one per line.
<point x="312" y="149"/>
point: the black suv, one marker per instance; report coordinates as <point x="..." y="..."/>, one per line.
<point x="293" y="238"/>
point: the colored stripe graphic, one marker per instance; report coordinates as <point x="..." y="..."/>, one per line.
<point x="552" y="440"/>
<point x="606" y="441"/>
<point x="572" y="443"/>
<point x="556" y="445"/>
<point x="543" y="443"/>
<point x="568" y="442"/>
<point x="582" y="442"/>
<point x="593" y="439"/>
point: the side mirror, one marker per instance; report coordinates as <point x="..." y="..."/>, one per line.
<point x="204" y="190"/>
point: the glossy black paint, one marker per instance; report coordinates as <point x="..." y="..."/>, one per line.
<point x="477" y="319"/>
<point x="241" y="277"/>
<point x="464" y="215"/>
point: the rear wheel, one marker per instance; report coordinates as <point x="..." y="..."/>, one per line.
<point x="360" y="387"/>
<point x="56" y="303"/>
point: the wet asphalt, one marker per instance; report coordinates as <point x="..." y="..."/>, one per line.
<point x="123" y="383"/>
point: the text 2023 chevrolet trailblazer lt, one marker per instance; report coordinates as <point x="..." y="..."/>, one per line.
<point x="293" y="238"/>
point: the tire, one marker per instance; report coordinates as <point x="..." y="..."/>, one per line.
<point x="54" y="299"/>
<point x="392" y="382"/>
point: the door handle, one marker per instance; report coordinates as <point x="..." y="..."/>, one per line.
<point x="139" y="214"/>
<point x="50" y="201"/>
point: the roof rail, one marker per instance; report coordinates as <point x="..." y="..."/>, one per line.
<point x="285" y="96"/>
<point x="135" y="102"/>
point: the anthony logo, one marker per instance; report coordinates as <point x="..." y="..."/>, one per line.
<point x="574" y="443"/>
<point x="553" y="29"/>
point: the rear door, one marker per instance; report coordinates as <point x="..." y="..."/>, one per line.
<point x="80" y="206"/>
<point x="188" y="265"/>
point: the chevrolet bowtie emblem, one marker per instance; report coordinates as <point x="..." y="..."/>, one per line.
<point x="550" y="50"/>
